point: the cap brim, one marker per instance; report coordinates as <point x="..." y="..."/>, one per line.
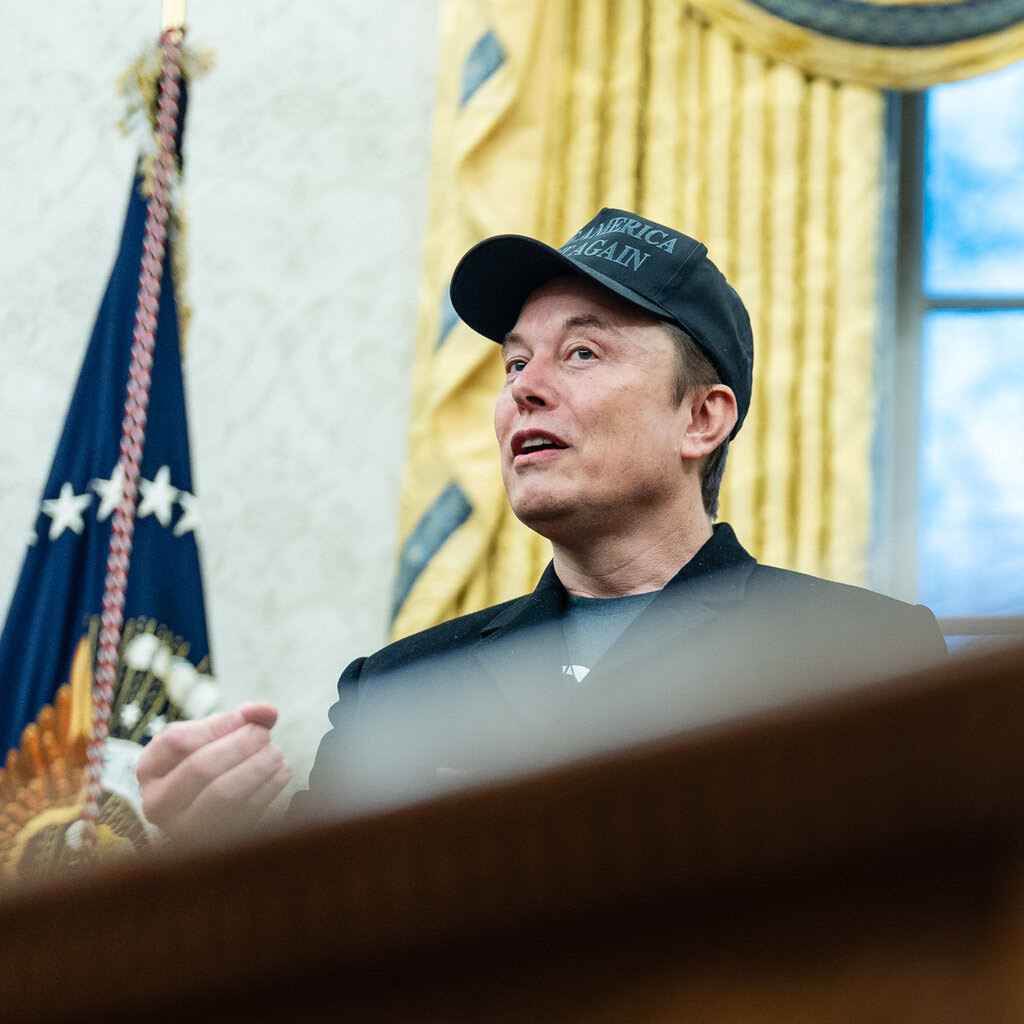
<point x="496" y="277"/>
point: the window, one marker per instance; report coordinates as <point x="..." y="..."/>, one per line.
<point x="956" y="485"/>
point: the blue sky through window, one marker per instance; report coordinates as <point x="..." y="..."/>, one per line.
<point x="974" y="186"/>
<point x="971" y="513"/>
<point x="971" y="458"/>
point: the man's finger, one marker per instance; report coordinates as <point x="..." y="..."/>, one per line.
<point x="259" y="713"/>
<point x="181" y="739"/>
<point x="237" y="797"/>
<point x="167" y="796"/>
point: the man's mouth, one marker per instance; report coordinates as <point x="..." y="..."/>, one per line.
<point x="531" y="442"/>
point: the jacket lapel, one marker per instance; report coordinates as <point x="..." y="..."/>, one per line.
<point x="688" y="609"/>
<point x="522" y="650"/>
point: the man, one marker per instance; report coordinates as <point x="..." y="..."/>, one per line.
<point x="628" y="368"/>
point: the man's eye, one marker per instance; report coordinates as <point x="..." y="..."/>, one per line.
<point x="516" y="366"/>
<point x="583" y="353"/>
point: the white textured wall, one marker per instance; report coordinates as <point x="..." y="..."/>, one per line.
<point x="307" y="154"/>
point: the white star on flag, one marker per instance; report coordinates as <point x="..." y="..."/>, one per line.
<point x="189" y="520"/>
<point x="66" y="510"/>
<point x="110" y="491"/>
<point x="158" y="496"/>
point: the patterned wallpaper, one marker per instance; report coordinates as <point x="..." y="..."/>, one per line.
<point x="307" y="152"/>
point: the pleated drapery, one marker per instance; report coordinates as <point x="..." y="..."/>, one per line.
<point x="895" y="44"/>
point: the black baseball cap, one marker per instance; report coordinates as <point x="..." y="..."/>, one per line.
<point x="655" y="267"/>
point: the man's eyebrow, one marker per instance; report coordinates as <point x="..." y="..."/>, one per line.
<point x="586" y="320"/>
<point x="577" y="320"/>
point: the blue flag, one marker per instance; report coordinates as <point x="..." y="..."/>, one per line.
<point x="164" y="666"/>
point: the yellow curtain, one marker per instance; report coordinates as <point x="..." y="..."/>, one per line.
<point x="550" y="109"/>
<point x="498" y="91"/>
<point x="896" y="44"/>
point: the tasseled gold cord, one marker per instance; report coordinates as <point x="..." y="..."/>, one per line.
<point x="138" y="85"/>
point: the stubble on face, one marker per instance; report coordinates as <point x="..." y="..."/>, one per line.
<point x="594" y="375"/>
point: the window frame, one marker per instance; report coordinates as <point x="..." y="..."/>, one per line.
<point x="904" y="305"/>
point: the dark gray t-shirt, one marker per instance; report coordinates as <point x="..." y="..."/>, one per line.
<point x="592" y="624"/>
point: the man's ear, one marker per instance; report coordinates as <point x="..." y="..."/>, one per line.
<point x="712" y="415"/>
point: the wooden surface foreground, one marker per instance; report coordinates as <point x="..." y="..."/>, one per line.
<point x="857" y="859"/>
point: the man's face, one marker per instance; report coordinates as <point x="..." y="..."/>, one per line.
<point x="586" y="423"/>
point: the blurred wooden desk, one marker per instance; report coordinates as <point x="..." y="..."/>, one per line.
<point x="852" y="860"/>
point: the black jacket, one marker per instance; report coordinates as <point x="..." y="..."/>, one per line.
<point x="484" y="694"/>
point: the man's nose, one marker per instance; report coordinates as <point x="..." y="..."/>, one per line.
<point x="533" y="385"/>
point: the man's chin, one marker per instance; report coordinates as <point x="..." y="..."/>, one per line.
<point x="549" y="518"/>
<point x="536" y="513"/>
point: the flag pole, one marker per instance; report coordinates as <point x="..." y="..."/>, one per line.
<point x="173" y="15"/>
<point x="134" y="423"/>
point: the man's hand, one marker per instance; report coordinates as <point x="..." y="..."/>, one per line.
<point x="212" y="778"/>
